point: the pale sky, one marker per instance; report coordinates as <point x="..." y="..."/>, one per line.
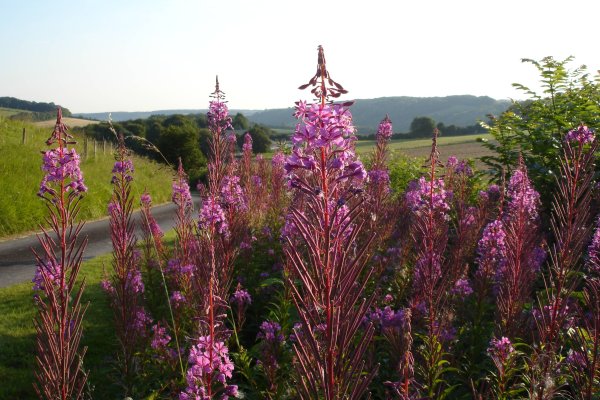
<point x="111" y="55"/>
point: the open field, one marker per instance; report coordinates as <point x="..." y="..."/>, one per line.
<point x="71" y="122"/>
<point x="22" y="211"/>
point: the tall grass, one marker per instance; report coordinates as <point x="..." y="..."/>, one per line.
<point x="21" y="210"/>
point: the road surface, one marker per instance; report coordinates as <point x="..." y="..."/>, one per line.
<point x="17" y="263"/>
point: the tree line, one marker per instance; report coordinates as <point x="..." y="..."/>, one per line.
<point x="168" y="138"/>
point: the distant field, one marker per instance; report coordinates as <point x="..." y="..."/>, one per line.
<point x="7" y="112"/>
<point x="70" y="122"/>
<point x="462" y="147"/>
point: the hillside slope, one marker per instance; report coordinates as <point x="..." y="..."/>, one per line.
<point x="367" y="113"/>
<point x="20" y="175"/>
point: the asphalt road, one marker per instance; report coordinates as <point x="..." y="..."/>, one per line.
<point x="17" y="263"/>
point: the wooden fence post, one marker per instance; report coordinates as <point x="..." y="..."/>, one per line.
<point x="24" y="139"/>
<point x="94" y="148"/>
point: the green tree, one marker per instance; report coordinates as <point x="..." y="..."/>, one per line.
<point x="204" y="141"/>
<point x="422" y="126"/>
<point x="536" y="127"/>
<point x="181" y="141"/>
<point x="260" y="139"/>
<point x="240" y="122"/>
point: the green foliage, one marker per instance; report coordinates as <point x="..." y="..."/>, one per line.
<point x="41" y="107"/>
<point x="403" y="170"/>
<point x="240" y="122"/>
<point x="536" y="127"/>
<point x="260" y="139"/>
<point x="422" y="126"/>
<point x="181" y="141"/>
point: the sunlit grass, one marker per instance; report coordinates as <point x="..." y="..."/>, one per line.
<point x="20" y="208"/>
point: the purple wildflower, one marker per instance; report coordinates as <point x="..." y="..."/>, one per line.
<point x="123" y="168"/>
<point x="491" y="248"/>
<point x="241" y="298"/>
<point x="247" y="146"/>
<point x="181" y="193"/>
<point x="212" y="218"/>
<point x="61" y="168"/>
<point x="271" y="332"/>
<point x="500" y="348"/>
<point x="581" y="134"/>
<point x="218" y="116"/>
<point x="208" y="360"/>
<point x="462" y="288"/>
<point x="51" y="269"/>
<point x="417" y="196"/>
<point x="177" y="299"/>
<point x="384" y="130"/>
<point x="380" y="177"/>
<point x="160" y="337"/>
<point x="522" y="196"/>
<point x="232" y="194"/>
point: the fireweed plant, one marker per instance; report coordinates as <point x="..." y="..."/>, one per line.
<point x="571" y="228"/>
<point x="59" y="360"/>
<point x="125" y="286"/>
<point x="220" y="230"/>
<point x="325" y="269"/>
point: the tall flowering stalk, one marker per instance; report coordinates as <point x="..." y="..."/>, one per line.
<point x="181" y="271"/>
<point x="522" y="254"/>
<point x="571" y="229"/>
<point x="125" y="286"/>
<point x="382" y="212"/>
<point x="429" y="203"/>
<point x="59" y="359"/>
<point x="219" y="231"/>
<point x="326" y="269"/>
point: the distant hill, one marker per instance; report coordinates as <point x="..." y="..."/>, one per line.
<point x="119" y="116"/>
<point x="464" y="110"/>
<point x="461" y="110"/>
<point x="33" y="106"/>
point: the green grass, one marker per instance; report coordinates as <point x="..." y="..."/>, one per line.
<point x="17" y="335"/>
<point x="22" y="211"/>
<point x="7" y="112"/>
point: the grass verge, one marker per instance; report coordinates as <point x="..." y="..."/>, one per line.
<point x="22" y="211"/>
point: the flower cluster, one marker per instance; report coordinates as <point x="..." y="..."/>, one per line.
<point x="60" y="166"/>
<point x="232" y="194"/>
<point x="418" y="196"/>
<point x="500" y="348"/>
<point x="208" y="360"/>
<point x="123" y="168"/>
<point x="218" y="116"/>
<point x="522" y="196"/>
<point x="271" y="332"/>
<point x="384" y="130"/>
<point x="160" y="337"/>
<point x="247" y="146"/>
<point x="380" y="177"/>
<point x="582" y="134"/>
<point x="212" y="217"/>
<point x="51" y="269"/>
<point x="491" y="248"/>
<point x="241" y="298"/>
<point x="181" y="193"/>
